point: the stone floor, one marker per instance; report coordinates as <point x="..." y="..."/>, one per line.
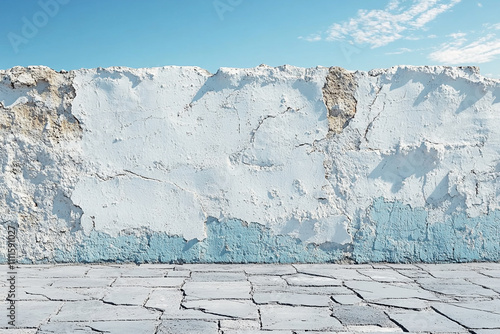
<point x="230" y="299"/>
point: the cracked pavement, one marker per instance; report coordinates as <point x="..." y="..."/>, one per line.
<point x="256" y="298"/>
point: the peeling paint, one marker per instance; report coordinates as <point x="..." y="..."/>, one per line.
<point x="233" y="241"/>
<point x="339" y="95"/>
<point x="40" y="107"/>
<point x="183" y="164"/>
<point x="400" y="233"/>
<point x="39" y="157"/>
<point x="169" y="164"/>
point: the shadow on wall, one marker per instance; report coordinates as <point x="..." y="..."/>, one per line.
<point x="225" y="79"/>
<point x="395" y="168"/>
<point x="64" y="208"/>
<point x="461" y="85"/>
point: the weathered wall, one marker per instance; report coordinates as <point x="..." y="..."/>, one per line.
<point x="250" y="165"/>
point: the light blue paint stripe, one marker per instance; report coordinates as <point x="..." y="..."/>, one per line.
<point x="399" y="233"/>
<point x="227" y="242"/>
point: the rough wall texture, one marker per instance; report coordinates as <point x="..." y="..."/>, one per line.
<point x="40" y="159"/>
<point x="250" y="165"/>
<point x="339" y="95"/>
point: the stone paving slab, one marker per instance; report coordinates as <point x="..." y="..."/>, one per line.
<point x="347" y="299"/>
<point x="188" y="327"/>
<point x="126" y="272"/>
<point x="218" y="276"/>
<point x="278" y="317"/>
<point x="402" y="303"/>
<point x="458" y="287"/>
<point x="372" y="291"/>
<point x="294" y="299"/>
<point x="309" y="280"/>
<point x="385" y="276"/>
<point x="31" y="282"/>
<point x="96" y="310"/>
<point x="255" y="298"/>
<point x="112" y="327"/>
<point x="189" y="314"/>
<point x="311" y="290"/>
<point x="470" y="318"/>
<point x="425" y="321"/>
<point x="54" y="294"/>
<point x="488" y="283"/>
<point x="270" y="269"/>
<point x="81" y="282"/>
<point x="57" y="272"/>
<point x="263" y="280"/>
<point x="159" y="282"/>
<point x="165" y="299"/>
<point x="127" y="295"/>
<point x="240" y="309"/>
<point x="30" y="314"/>
<point x="239" y="324"/>
<point x="333" y="272"/>
<point x="362" y="315"/>
<point x="23" y="293"/>
<point x="217" y="290"/>
<point x="178" y="273"/>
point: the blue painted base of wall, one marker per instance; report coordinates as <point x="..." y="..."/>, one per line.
<point x="395" y="233"/>
<point x="227" y="242"/>
<point x="399" y="233"/>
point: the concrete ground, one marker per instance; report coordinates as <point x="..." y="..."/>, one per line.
<point x="230" y="299"/>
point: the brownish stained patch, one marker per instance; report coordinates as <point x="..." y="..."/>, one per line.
<point x="45" y="113"/>
<point x="338" y="94"/>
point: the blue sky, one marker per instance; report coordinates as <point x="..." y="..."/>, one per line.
<point x="71" y="34"/>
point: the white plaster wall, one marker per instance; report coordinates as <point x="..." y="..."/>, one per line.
<point x="168" y="147"/>
<point x="94" y="156"/>
<point x="424" y="136"/>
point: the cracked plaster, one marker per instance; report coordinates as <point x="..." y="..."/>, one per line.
<point x="250" y="165"/>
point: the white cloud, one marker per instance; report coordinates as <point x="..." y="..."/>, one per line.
<point x="393" y="5"/>
<point x="457" y="35"/>
<point x="311" y="38"/>
<point x="479" y="4"/>
<point x="495" y="26"/>
<point x="491" y="26"/>
<point x="429" y="14"/>
<point x="381" y="27"/>
<point x="459" y="51"/>
<point x="400" y="51"/>
<point x="471" y="47"/>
